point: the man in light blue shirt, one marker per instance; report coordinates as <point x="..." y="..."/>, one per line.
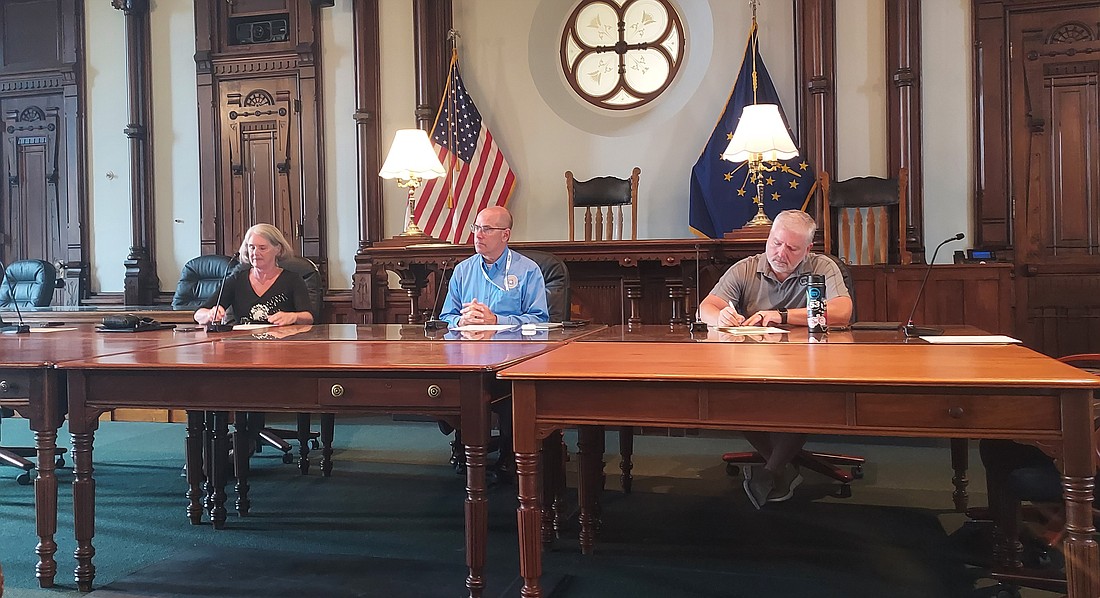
<point x="496" y="285"/>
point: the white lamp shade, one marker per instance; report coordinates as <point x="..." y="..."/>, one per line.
<point x="411" y="155"/>
<point x="760" y="131"/>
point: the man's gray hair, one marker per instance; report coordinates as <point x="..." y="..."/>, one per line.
<point x="798" y="221"/>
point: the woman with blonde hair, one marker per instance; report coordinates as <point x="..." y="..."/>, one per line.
<point x="265" y="293"/>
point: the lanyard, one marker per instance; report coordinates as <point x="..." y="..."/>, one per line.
<point x="507" y="266"/>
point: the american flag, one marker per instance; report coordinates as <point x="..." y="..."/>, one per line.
<point x="477" y="176"/>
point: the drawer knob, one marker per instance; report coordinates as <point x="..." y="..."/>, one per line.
<point x="337" y="390"/>
<point x="955" y="412"/>
<point x="434" y="391"/>
<point x="5" y="386"/>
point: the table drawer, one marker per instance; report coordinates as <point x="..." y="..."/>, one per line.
<point x="15" y="384"/>
<point x="381" y="392"/>
<point x="964" y="412"/>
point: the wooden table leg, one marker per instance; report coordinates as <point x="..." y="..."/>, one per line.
<point x="553" y="483"/>
<point x="626" y="456"/>
<point x="1082" y="554"/>
<point x="328" y="421"/>
<point x="960" y="462"/>
<point x="590" y="457"/>
<point x="304" y="421"/>
<point x="192" y="450"/>
<point x="45" y="506"/>
<point x="83" y="505"/>
<point x="475" y="424"/>
<point x="529" y="513"/>
<point x="242" y="453"/>
<point x="218" y="465"/>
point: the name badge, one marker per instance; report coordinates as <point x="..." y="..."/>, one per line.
<point x="511" y="282"/>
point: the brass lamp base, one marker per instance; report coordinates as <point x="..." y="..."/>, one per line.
<point x="760" y="219"/>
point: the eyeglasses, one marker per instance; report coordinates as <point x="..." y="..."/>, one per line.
<point x="477" y="228"/>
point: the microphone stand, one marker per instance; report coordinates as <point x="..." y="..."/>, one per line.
<point x="213" y="326"/>
<point x="910" y="329"/>
<point x="434" y="323"/>
<point x="697" y="325"/>
<point x="21" y="327"/>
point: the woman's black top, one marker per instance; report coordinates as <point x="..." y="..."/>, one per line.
<point x="288" y="293"/>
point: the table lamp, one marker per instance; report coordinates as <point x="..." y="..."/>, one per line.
<point x="410" y="161"/>
<point x="762" y="140"/>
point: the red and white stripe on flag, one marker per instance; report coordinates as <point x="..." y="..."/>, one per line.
<point x="485" y="181"/>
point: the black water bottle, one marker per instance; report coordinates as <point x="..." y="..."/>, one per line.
<point x="816" y="318"/>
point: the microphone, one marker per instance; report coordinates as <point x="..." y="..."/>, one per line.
<point x="21" y="327"/>
<point x="434" y="323"/>
<point x="221" y="326"/>
<point x="909" y="329"/>
<point x="697" y="325"/>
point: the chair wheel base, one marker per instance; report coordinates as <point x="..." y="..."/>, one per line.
<point x="732" y="470"/>
<point x="288" y="458"/>
<point x="24" y="479"/>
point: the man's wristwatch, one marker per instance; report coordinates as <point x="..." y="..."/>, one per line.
<point x="782" y="315"/>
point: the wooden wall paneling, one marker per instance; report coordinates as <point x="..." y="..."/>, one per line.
<point x="1055" y="124"/>
<point x="815" y="73"/>
<point x="206" y="31"/>
<point x="992" y="182"/>
<point x="260" y="126"/>
<point x="141" y="284"/>
<point x="369" y="148"/>
<point x="432" y="19"/>
<point x="42" y="200"/>
<point x="903" y="109"/>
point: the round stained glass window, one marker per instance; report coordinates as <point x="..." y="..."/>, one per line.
<point x="621" y="54"/>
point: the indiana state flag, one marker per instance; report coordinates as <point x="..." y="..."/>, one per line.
<point x="721" y="194"/>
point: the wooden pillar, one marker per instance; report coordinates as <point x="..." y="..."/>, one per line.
<point x="815" y="73"/>
<point x="141" y="284"/>
<point x="903" y="110"/>
<point x="369" y="148"/>
<point x="432" y="19"/>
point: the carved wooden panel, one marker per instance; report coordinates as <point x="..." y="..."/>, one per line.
<point x="1044" y="135"/>
<point x="259" y="122"/>
<point x="261" y="130"/>
<point x="41" y="186"/>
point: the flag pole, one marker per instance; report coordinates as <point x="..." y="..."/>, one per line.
<point x="453" y="37"/>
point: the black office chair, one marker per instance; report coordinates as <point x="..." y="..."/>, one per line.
<point x="31" y="283"/>
<point x="842" y="468"/>
<point x="28" y="283"/>
<point x="200" y="280"/>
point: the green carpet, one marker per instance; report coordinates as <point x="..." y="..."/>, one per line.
<point x="389" y="523"/>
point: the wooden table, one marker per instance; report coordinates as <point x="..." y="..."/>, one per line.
<point x="331" y="369"/>
<point x="30" y="384"/>
<point x="975" y="391"/>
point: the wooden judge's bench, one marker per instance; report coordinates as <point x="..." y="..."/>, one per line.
<point x="655" y="282"/>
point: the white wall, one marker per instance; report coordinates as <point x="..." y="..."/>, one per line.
<point x="108" y="154"/>
<point x="505" y="49"/>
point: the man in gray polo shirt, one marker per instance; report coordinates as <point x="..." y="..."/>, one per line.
<point x="765" y="290"/>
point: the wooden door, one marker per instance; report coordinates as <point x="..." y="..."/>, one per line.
<point x="1055" y="175"/>
<point x="260" y="137"/>
<point x="34" y="201"/>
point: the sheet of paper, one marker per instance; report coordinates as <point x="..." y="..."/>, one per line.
<point x="751" y="330"/>
<point x="481" y="327"/>
<point x="977" y="339"/>
<point x="542" y="326"/>
<point x="50" y="329"/>
<point x="251" y="326"/>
